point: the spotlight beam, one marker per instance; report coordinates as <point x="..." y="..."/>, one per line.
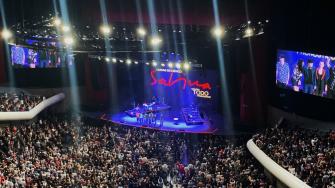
<point x="253" y="71"/>
<point x="72" y="69"/>
<point x="9" y="67"/>
<point x="223" y="78"/>
<point x="110" y="69"/>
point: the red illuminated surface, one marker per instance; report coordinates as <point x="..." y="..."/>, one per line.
<point x="170" y="82"/>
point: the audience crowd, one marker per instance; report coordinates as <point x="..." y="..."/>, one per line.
<point x="83" y="152"/>
<point x="307" y="154"/>
<point x="13" y="102"/>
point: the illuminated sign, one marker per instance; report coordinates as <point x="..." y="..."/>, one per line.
<point x="199" y="93"/>
<point x="199" y="89"/>
<point x="169" y="70"/>
<point x="170" y="82"/>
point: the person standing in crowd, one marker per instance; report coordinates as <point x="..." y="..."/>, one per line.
<point x="282" y="73"/>
<point x="320" y="79"/>
<point x="331" y="80"/>
<point x="309" y="77"/>
<point x="297" y="75"/>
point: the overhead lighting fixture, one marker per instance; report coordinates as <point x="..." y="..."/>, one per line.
<point x="121" y="61"/>
<point x="163" y="65"/>
<point x="141" y="31"/>
<point x="107" y="59"/>
<point x="218" y="31"/>
<point x="147" y="63"/>
<point x="170" y="65"/>
<point x="136" y="62"/>
<point x="248" y="32"/>
<point x="178" y="65"/>
<point x="66" y="28"/>
<point x="6" y="34"/>
<point x="68" y="40"/>
<point x="154" y="63"/>
<point x="114" y="60"/>
<point x="155" y="41"/>
<point x="105" y="29"/>
<point x="57" y="22"/>
<point x="128" y="61"/>
<point x="186" y="66"/>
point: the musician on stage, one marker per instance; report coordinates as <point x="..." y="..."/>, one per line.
<point x="141" y="118"/>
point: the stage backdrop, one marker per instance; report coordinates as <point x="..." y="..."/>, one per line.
<point x="180" y="88"/>
<point x="176" y="87"/>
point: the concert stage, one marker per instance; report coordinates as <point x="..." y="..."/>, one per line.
<point x="169" y="124"/>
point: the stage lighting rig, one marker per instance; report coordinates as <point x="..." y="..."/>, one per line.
<point x="57" y="22"/>
<point x="105" y="30"/>
<point x="66" y="28"/>
<point x="170" y="65"/>
<point x="45" y="33"/>
<point x="218" y="31"/>
<point x="248" y="32"/>
<point x="187" y="66"/>
<point x="128" y="61"/>
<point x="68" y="40"/>
<point x="6" y="34"/>
<point x="141" y="31"/>
<point x="155" y="41"/>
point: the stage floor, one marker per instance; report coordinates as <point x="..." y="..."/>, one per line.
<point x="169" y="124"/>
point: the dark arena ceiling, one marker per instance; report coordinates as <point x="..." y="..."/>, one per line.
<point x="178" y="24"/>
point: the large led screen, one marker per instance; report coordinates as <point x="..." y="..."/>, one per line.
<point x="22" y="57"/>
<point x="306" y="72"/>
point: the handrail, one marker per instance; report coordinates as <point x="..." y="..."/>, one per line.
<point x="27" y="115"/>
<point x="276" y="170"/>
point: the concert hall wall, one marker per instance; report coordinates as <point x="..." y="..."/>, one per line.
<point x="250" y="58"/>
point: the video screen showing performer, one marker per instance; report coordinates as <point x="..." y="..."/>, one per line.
<point x="22" y="57"/>
<point x="306" y="72"/>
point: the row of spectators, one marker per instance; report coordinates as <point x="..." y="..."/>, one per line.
<point x="81" y="152"/>
<point x="18" y="102"/>
<point x="307" y="154"/>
